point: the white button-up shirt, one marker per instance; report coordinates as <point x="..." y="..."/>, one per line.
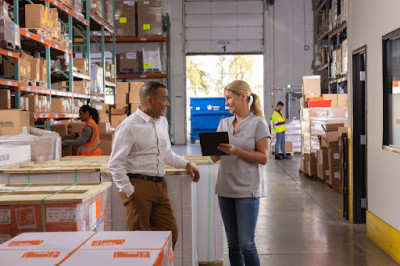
<point x="141" y="146"/>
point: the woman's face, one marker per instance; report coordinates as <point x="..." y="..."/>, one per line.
<point x="84" y="116"/>
<point x="235" y="102"/>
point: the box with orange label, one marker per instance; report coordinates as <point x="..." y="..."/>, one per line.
<point x="53" y="207"/>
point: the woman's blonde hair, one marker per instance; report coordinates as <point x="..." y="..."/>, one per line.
<point x="238" y="87"/>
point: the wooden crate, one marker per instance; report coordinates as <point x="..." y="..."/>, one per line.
<point x="53" y="207"/>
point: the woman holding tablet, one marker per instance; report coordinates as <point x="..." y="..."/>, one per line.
<point x="240" y="178"/>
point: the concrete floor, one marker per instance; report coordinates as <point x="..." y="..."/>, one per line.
<point x="300" y="222"/>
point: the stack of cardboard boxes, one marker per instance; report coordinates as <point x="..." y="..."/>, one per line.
<point x="139" y="62"/>
<point x="9" y="35"/>
<point x="33" y="71"/>
<point x="127" y="63"/>
<point x="120" y="108"/>
<point x="149" y="18"/>
<point x="322" y="133"/>
<point x="106" y="136"/>
<point x="110" y="72"/>
<point x="96" y="7"/>
<point x="125" y="16"/>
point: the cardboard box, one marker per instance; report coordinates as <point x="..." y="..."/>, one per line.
<point x="59" y="105"/>
<point x="36" y="16"/>
<point x="25" y="66"/>
<point x="127" y="62"/>
<point x="82" y="65"/>
<point x="76" y="127"/>
<point x="116" y="120"/>
<point x="134" y="107"/>
<point x="43" y="71"/>
<point x="34" y="103"/>
<point x="323" y="157"/>
<point x="332" y="139"/>
<point x="334" y="158"/>
<point x="333" y="126"/>
<point x="104" y="127"/>
<point x="61" y="129"/>
<point x="335" y="177"/>
<point x="14" y="122"/>
<point x="134" y="89"/>
<point x="343" y="100"/>
<point x="333" y="97"/>
<point x="69" y="150"/>
<point x="312" y="86"/>
<point x="149" y="18"/>
<point x="82" y="87"/>
<point x="125" y="16"/>
<point x="121" y="99"/>
<point x="102" y="109"/>
<point x="35" y="68"/>
<point x="106" y="140"/>
<point x="122" y="88"/>
<point x="6" y="68"/>
<point x="5" y="99"/>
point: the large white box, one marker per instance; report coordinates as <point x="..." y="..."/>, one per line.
<point x="14" y="154"/>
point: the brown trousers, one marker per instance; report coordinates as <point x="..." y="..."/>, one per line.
<point x="149" y="208"/>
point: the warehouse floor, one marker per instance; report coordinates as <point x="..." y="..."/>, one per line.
<point x="300" y="222"/>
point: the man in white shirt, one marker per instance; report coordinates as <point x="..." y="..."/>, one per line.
<point x="141" y="146"/>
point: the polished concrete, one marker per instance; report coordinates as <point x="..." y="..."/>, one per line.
<point x="300" y="222"/>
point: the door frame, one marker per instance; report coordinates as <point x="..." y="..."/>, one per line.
<point x="358" y="212"/>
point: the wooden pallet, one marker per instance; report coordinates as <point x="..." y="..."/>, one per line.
<point x="17" y="194"/>
<point x="9" y="46"/>
<point x="212" y="263"/>
<point x="40" y="32"/>
<point x="331" y="187"/>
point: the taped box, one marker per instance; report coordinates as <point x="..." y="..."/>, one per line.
<point x="53" y="207"/>
<point x="94" y="248"/>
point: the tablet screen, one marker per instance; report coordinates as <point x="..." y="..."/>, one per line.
<point x="210" y="140"/>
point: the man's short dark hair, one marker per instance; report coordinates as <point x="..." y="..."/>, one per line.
<point x="280" y="104"/>
<point x="150" y="88"/>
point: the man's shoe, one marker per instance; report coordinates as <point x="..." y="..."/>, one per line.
<point x="278" y="157"/>
<point x="288" y="157"/>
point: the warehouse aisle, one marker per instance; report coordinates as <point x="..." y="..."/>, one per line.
<point x="300" y="222"/>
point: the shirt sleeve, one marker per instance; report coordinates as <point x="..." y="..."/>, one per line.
<point x="122" y="145"/>
<point x="262" y="130"/>
<point x="84" y="138"/>
<point x="173" y="159"/>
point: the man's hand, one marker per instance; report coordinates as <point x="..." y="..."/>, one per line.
<point x="193" y="172"/>
<point x="287" y="120"/>
<point x="227" y="148"/>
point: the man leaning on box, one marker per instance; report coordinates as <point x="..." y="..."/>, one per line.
<point x="141" y="146"/>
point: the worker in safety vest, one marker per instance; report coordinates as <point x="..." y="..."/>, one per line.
<point x="279" y="126"/>
<point x="89" y="138"/>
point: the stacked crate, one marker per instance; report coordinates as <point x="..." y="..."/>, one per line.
<point x="322" y="131"/>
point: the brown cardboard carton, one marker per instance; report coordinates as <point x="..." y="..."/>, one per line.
<point x="43" y="71"/>
<point x="127" y="62"/>
<point x="25" y="66"/>
<point x="35" y="68"/>
<point x="122" y="88"/>
<point x="13" y="122"/>
<point x="323" y="157"/>
<point x="104" y="127"/>
<point x="106" y="143"/>
<point x="119" y="109"/>
<point x="312" y="86"/>
<point x="61" y="129"/>
<point x="149" y="18"/>
<point x="334" y="158"/>
<point x="105" y="118"/>
<point x="134" y="92"/>
<point x="5" y="99"/>
<point x="82" y="65"/>
<point x="134" y="107"/>
<point x="121" y="99"/>
<point x="322" y="141"/>
<point x="333" y="126"/>
<point x="34" y="103"/>
<point x="69" y="150"/>
<point x="320" y="172"/>
<point x="335" y="177"/>
<point x="58" y="105"/>
<point x="36" y="16"/>
<point x="125" y="16"/>
<point x="332" y="139"/>
<point x="333" y="97"/>
<point x="81" y="86"/>
<point x="6" y="68"/>
<point x="343" y="100"/>
<point x="76" y="128"/>
<point x="116" y="120"/>
<point x="101" y="108"/>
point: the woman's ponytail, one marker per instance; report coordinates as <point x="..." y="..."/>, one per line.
<point x="95" y="115"/>
<point x="255" y="106"/>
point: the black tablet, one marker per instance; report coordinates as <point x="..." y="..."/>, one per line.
<point x="210" y="140"/>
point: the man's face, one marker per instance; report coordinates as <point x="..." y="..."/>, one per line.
<point x="279" y="107"/>
<point x="160" y="103"/>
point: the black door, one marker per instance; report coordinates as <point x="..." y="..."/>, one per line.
<point x="359" y="136"/>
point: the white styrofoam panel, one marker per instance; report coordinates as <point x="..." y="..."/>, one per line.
<point x="197" y="8"/>
<point x="199" y="46"/>
<point x="250" y="7"/>
<point x="223" y="20"/>
<point x="249" y="46"/>
<point x="223" y="7"/>
<point x="254" y="20"/>
<point x="198" y="33"/>
<point x="244" y="33"/>
<point x="223" y="33"/>
<point x="193" y="21"/>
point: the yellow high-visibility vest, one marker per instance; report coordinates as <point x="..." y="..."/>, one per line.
<point x="276" y="118"/>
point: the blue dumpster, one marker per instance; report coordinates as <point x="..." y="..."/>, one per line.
<point x="205" y="114"/>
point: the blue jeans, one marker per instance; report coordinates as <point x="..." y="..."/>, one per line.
<point x="240" y="219"/>
<point x="280" y="141"/>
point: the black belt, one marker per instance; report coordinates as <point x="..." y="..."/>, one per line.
<point x="146" y="177"/>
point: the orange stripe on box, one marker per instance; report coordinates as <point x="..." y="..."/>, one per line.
<point x="98" y="209"/>
<point x="41" y="254"/>
<point x="25" y="243"/>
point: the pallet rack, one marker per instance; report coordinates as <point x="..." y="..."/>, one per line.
<point x="73" y="21"/>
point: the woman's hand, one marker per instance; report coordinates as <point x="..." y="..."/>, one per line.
<point x="227" y="148"/>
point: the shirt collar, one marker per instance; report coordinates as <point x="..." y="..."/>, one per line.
<point x="232" y="118"/>
<point x="144" y="116"/>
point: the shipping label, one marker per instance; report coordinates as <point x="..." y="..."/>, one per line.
<point x="61" y="215"/>
<point x="131" y="56"/>
<point x="337" y="175"/>
<point x="336" y="156"/>
<point x="26" y="218"/>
